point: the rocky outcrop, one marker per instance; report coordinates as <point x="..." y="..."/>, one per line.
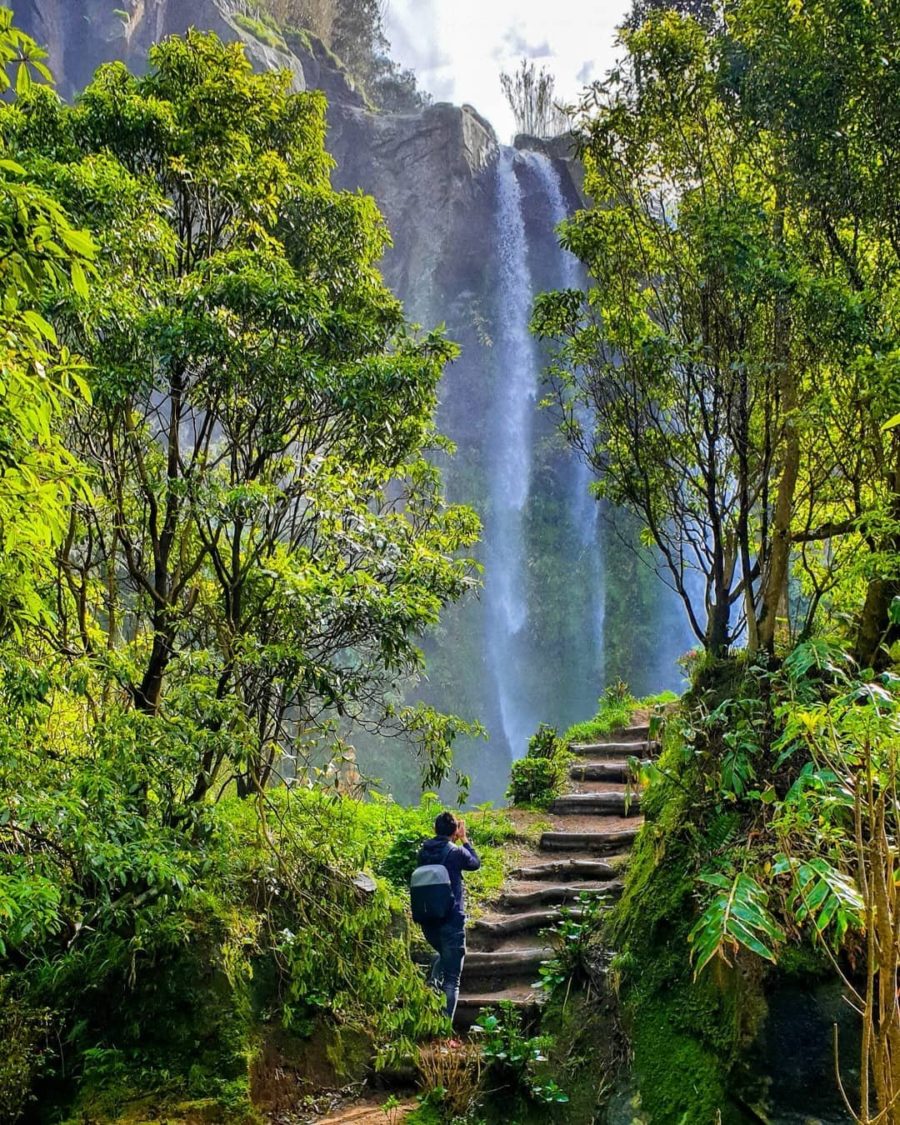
<point x="425" y="171"/>
<point x="82" y="34"/>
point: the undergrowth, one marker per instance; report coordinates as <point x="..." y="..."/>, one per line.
<point x="541" y="775"/>
<point x="615" y="709"/>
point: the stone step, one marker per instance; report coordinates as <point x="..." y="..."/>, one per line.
<point x="638" y="732"/>
<point x="603" y="842"/>
<point x="620" y="804"/>
<point x="471" y="1004"/>
<point x="500" y="926"/>
<point x="602" y="771"/>
<point x="570" y="869"/>
<point x="506" y="962"/>
<point x="557" y="894"/>
<point x="611" y="749"/>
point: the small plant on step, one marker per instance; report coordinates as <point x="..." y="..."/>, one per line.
<point x="541" y="775"/>
<point x="512" y="1059"/>
<point x="392" y="1110"/>
<point x="450" y="1078"/>
<point x="574" y="962"/>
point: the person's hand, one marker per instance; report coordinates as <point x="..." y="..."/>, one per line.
<point x="460" y="834"/>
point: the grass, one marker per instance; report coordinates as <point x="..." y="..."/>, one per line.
<point x="615" y="709"/>
<point x="262" y="30"/>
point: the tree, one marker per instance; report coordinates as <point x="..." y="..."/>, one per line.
<point x="727" y="370"/>
<point x="529" y="92"/>
<point x="825" y="81"/>
<point x="688" y="352"/>
<point x="641" y="10"/>
<point x="266" y="541"/>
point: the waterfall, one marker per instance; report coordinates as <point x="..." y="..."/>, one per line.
<point x="584" y="508"/>
<point x="516" y="379"/>
<point x="529" y="204"/>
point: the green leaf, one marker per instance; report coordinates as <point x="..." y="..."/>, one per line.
<point x="737" y="917"/>
<point x="39" y="325"/>
<point x="79" y="281"/>
<point x="23" y="79"/>
<point x="79" y="241"/>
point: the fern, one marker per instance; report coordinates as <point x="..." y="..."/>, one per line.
<point x="722" y="831"/>
<point x="737" y="917"/>
<point x="822" y="895"/>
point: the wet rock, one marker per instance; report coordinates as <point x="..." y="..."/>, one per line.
<point x="425" y="171"/>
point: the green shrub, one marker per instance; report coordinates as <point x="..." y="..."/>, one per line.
<point x="23" y="1032"/>
<point x="541" y="775"/>
<point x="544" y="743"/>
<point x="515" y="1061"/>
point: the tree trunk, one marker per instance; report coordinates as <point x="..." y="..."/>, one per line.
<point x="875" y="629"/>
<point x="147" y="694"/>
<point x="717" y="629"/>
<point x="776" y="577"/>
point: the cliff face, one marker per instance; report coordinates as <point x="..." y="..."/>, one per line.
<point x="425" y="169"/>
<point x="428" y="173"/>
<point x="82" y="34"/>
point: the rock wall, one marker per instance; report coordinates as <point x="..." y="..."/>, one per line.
<point x="82" y="34"/>
<point x="427" y="172"/>
<point x="424" y="169"/>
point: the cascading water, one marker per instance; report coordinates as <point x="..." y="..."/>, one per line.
<point x="584" y="509"/>
<point x="509" y="459"/>
<point x="557" y="609"/>
<point x="516" y="644"/>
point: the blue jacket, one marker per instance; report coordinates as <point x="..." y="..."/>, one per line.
<point x="460" y="858"/>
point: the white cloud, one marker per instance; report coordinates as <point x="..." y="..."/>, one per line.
<point x="459" y="47"/>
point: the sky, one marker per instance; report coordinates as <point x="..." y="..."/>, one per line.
<point x="459" y="47"/>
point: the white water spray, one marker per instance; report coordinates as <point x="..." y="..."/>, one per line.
<point x="509" y="459"/>
<point x="584" y="508"/>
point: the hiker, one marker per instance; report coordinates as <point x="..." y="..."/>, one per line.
<point x="439" y="901"/>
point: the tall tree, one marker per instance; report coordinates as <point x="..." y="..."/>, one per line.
<point x="265" y="541"/>
<point x="688" y="351"/>
<point x="823" y="79"/>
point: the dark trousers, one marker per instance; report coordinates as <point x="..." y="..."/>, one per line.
<point x="448" y="940"/>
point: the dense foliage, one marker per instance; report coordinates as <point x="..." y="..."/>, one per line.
<point x="221" y="542"/>
<point x="735" y="357"/>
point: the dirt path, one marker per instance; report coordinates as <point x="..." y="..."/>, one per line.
<point x="370" y="1112"/>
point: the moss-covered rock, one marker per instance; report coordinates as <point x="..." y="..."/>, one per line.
<point x="289" y="1067"/>
<point x="687" y="1036"/>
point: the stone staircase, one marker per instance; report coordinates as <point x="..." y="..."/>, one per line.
<point x="585" y="851"/>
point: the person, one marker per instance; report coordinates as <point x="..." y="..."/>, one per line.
<point x="448" y="937"/>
